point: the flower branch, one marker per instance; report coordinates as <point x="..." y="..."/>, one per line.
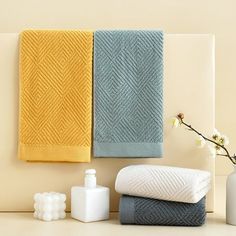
<point x="218" y="140"/>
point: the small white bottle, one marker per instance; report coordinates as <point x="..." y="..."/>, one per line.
<point x="91" y="201"/>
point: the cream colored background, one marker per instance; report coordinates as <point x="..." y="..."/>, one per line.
<point x="173" y="16"/>
<point x="189" y="79"/>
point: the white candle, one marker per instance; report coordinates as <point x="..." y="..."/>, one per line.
<point x="49" y="206"/>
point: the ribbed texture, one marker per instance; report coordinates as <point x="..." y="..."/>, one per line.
<point x="163" y="182"/>
<point x="128" y="78"/>
<point x="146" y="211"/>
<point x="55" y="95"/>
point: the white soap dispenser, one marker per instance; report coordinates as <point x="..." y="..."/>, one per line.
<point x="91" y="201"/>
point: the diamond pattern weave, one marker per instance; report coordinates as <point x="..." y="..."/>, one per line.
<point x="55" y="95"/>
<point x="147" y="211"/>
<point x="128" y="74"/>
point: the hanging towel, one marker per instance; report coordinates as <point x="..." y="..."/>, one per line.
<point x="163" y="182"/>
<point x="128" y="74"/>
<point x="147" y="211"/>
<point x="55" y="95"/>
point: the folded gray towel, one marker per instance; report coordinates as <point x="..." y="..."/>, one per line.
<point x="147" y="211"/>
<point x="128" y="107"/>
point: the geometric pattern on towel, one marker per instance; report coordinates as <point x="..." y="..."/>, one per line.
<point x="146" y="211"/>
<point x="56" y="93"/>
<point x="163" y="182"/>
<point x="128" y="71"/>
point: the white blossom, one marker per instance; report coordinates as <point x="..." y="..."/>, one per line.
<point x="200" y="142"/>
<point x="216" y="132"/>
<point x="216" y="135"/>
<point x="175" y="122"/>
<point x="224" y="140"/>
<point x="212" y="150"/>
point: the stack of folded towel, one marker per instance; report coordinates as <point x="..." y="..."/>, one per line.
<point x="161" y="195"/>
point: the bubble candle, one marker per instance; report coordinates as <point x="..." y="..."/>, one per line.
<point x="49" y="206"/>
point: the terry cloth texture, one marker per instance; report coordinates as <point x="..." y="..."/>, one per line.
<point x="55" y="95"/>
<point x="128" y="96"/>
<point x="163" y="183"/>
<point x="147" y="211"/>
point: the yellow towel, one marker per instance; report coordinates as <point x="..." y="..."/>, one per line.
<point x="55" y="95"/>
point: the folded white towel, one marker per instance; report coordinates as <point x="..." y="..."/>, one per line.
<point x="163" y="182"/>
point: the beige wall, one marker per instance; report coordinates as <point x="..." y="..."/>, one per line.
<point x="173" y="16"/>
<point x="188" y="59"/>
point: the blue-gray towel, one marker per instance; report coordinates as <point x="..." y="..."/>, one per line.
<point x="147" y="211"/>
<point x="128" y="93"/>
